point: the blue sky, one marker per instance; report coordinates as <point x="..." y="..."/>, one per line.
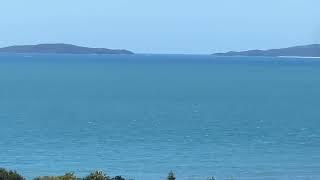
<point x="162" y="26"/>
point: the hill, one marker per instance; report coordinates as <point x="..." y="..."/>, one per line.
<point x="61" y="48"/>
<point x="312" y="50"/>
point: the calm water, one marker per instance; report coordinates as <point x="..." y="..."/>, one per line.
<point x="141" y="116"/>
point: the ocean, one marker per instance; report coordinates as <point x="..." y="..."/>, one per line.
<point x="140" y="116"/>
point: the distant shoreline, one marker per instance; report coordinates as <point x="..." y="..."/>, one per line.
<point x="61" y="49"/>
<point x="312" y="50"/>
<point x="302" y="57"/>
<point x="307" y="51"/>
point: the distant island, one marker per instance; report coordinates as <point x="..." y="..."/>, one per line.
<point x="312" y="50"/>
<point x="61" y="48"/>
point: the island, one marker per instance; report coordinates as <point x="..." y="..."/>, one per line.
<point x="61" y="48"/>
<point x="312" y="50"/>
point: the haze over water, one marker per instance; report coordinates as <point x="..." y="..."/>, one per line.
<point x="141" y="116"/>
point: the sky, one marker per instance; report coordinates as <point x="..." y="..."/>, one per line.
<point x="162" y="26"/>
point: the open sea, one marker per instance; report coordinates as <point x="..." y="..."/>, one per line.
<point x="140" y="116"/>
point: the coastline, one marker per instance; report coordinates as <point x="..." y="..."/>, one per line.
<point x="302" y="57"/>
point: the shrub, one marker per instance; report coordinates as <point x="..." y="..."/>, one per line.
<point x="97" y="175"/>
<point x="67" y="176"/>
<point x="9" y="175"/>
<point x="171" y="176"/>
<point x="117" y="178"/>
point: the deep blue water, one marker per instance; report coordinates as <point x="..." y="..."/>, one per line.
<point x="142" y="115"/>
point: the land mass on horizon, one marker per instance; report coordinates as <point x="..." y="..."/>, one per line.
<point x="312" y="50"/>
<point x="61" y="48"/>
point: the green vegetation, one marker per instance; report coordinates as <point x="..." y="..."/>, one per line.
<point x="67" y="176"/>
<point x="95" y="175"/>
<point x="9" y="175"/>
<point x="171" y="176"/>
<point x="118" y="178"/>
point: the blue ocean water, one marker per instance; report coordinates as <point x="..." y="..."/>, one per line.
<point x="141" y="116"/>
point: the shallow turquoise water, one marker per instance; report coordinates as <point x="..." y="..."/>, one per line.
<point x="142" y="115"/>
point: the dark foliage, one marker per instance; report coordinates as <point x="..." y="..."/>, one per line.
<point x="9" y="175"/>
<point x="97" y="175"/>
<point x="117" y="178"/>
<point x="67" y="176"/>
<point x="171" y="176"/>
